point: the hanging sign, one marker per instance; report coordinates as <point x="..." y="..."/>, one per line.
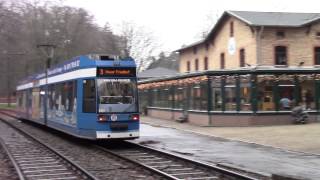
<point x="231" y="46"/>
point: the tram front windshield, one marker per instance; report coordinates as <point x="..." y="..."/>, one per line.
<point x="117" y="95"/>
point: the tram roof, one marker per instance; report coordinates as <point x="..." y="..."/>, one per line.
<point x="82" y="62"/>
<point x="242" y="71"/>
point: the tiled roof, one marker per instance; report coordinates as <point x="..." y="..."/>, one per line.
<point x="286" y="19"/>
<point x="156" y="72"/>
<point x="273" y="19"/>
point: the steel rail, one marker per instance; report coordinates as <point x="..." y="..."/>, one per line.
<point x="174" y="156"/>
<point x="202" y="164"/>
<point x="67" y="160"/>
<point x="13" y="161"/>
<point x="220" y="170"/>
<point x="161" y="173"/>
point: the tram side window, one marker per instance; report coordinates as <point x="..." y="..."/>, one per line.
<point x="24" y="99"/>
<point x="71" y="95"/>
<point x="56" y="96"/>
<point x="19" y="95"/>
<point x="89" y="96"/>
<point x="51" y="96"/>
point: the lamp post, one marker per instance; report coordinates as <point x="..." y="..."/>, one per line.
<point x="48" y="50"/>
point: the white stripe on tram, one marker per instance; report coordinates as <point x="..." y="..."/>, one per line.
<point x="80" y="73"/>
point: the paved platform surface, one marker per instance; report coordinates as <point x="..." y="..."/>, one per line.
<point x="236" y="153"/>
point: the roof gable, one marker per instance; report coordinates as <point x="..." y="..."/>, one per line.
<point x="252" y="18"/>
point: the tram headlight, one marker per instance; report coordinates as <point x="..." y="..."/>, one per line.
<point x="102" y="118"/>
<point x="135" y="117"/>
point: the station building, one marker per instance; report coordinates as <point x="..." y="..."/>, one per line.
<point x="251" y="69"/>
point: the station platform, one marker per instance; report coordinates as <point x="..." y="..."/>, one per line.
<point x="203" y="144"/>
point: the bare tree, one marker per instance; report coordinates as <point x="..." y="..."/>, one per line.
<point x="208" y="24"/>
<point x="138" y="43"/>
<point x="26" y="24"/>
<point x="10" y="46"/>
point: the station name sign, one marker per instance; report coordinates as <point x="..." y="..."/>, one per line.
<point x="116" y="72"/>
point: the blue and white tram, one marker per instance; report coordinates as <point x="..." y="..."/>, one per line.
<point x="92" y="97"/>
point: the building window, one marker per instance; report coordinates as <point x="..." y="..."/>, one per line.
<point x="242" y="58"/>
<point x="281" y="55"/>
<point x="216" y="93"/>
<point x="307" y="92"/>
<point x="231" y="29"/>
<point x="317" y="55"/>
<point x="198" y="99"/>
<point x="180" y="96"/>
<point x="245" y="93"/>
<point x="196" y="64"/>
<point x="222" y="61"/>
<point x="207" y="46"/>
<point x="188" y="66"/>
<point x="230" y="94"/>
<point x="286" y="89"/>
<point x="265" y="95"/>
<point x="206" y="63"/>
<point x="195" y="50"/>
<point x="280" y="34"/>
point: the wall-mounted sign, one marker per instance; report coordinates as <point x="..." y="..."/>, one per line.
<point x="116" y="72"/>
<point x="231" y="46"/>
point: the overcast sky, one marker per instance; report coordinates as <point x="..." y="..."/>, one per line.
<point x="178" y="22"/>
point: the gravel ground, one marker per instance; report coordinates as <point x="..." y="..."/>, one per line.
<point x="7" y="170"/>
<point x="98" y="163"/>
<point x="302" y="138"/>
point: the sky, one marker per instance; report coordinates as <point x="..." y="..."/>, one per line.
<point x="180" y="22"/>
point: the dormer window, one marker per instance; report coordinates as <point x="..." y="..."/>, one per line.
<point x="280" y="34"/>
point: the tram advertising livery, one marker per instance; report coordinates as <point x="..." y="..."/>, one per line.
<point x="92" y="97"/>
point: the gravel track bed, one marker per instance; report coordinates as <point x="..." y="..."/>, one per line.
<point x="100" y="164"/>
<point x="7" y="170"/>
<point x="205" y="172"/>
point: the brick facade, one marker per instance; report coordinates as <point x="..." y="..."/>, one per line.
<point x="300" y="43"/>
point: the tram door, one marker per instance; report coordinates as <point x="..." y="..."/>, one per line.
<point x="35" y="104"/>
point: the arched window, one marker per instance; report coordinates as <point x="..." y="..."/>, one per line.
<point x="242" y="58"/>
<point x="206" y="65"/>
<point x="222" y="63"/>
<point x="317" y="55"/>
<point x="196" y="65"/>
<point x="231" y="29"/>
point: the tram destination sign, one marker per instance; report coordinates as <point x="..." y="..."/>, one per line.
<point x="116" y="72"/>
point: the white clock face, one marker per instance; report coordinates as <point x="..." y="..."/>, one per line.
<point x="231" y="46"/>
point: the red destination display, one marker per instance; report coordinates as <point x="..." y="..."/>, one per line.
<point x="116" y="72"/>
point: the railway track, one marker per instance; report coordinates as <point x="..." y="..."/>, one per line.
<point x="167" y="165"/>
<point x="171" y="166"/>
<point x="33" y="159"/>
